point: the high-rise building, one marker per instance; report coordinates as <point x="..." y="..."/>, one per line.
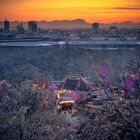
<point x="6" y="25"/>
<point x="20" y="28"/>
<point x="32" y="26"/>
<point x="95" y="26"/>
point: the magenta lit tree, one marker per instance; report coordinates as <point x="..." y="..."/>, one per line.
<point x="75" y="95"/>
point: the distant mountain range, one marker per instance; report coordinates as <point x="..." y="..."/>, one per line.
<point x="72" y="24"/>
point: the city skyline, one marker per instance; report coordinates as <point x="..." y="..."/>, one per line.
<point x="105" y="11"/>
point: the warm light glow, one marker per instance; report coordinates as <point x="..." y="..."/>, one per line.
<point x="90" y="10"/>
<point x="66" y="102"/>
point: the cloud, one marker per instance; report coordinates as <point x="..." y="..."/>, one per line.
<point x="127" y="8"/>
<point x="88" y="11"/>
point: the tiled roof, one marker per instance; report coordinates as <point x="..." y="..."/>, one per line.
<point x="70" y="84"/>
<point x="75" y="84"/>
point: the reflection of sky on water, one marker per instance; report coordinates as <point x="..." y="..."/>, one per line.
<point x="74" y="43"/>
<point x="3" y="44"/>
<point x="44" y="44"/>
<point x="34" y="43"/>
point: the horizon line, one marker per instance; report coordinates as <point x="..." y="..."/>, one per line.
<point x="97" y="21"/>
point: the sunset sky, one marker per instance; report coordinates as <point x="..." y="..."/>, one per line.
<point x="91" y="10"/>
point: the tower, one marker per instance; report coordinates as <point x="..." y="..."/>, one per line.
<point x="6" y="25"/>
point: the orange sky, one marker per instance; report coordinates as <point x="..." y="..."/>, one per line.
<point x="90" y="10"/>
